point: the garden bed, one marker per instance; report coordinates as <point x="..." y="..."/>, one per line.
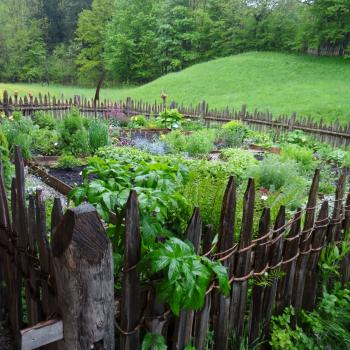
<point x="147" y="133"/>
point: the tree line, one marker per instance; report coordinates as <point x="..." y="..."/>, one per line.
<point x="135" y="41"/>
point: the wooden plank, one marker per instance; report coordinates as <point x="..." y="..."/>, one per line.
<point x="276" y="251"/>
<point x="312" y="271"/>
<point x="345" y="264"/>
<point x="242" y="266"/>
<point x="306" y="238"/>
<point x="334" y="229"/>
<point x="260" y="265"/>
<point x="184" y="324"/>
<point x="202" y="317"/>
<point x="290" y="255"/>
<point x="131" y="295"/>
<point x="225" y="242"/>
<point x="41" y="334"/>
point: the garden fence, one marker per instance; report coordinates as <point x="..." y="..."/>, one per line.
<point x="60" y="287"/>
<point x="334" y="133"/>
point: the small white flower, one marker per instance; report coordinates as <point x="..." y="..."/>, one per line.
<point x="264" y="197"/>
<point x="56" y="143"/>
<point x="80" y="173"/>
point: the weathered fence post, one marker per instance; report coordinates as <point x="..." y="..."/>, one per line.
<point x="242" y="267"/>
<point x="84" y="278"/>
<point x="5" y="103"/>
<point x="225" y="243"/>
<point x="131" y="294"/>
<point x="184" y="323"/>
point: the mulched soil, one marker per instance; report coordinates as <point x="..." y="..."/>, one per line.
<point x="71" y="177"/>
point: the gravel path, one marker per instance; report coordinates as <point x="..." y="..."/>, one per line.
<point x="33" y="182"/>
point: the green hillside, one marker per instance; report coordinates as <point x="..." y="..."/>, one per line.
<point x="280" y="83"/>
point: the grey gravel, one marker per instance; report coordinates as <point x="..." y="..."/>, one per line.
<point x="33" y="183"/>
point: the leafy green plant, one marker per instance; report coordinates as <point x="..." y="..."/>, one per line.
<point x="44" y="141"/>
<point x="153" y="342"/>
<point x="233" y="133"/>
<point x="196" y="144"/>
<point x="187" y="274"/>
<point x="44" y="120"/>
<point x="330" y="259"/>
<point x="302" y="155"/>
<point x="284" y="336"/>
<point x="18" y="131"/>
<point x="273" y="173"/>
<point x="238" y="159"/>
<point x="325" y="327"/>
<point x="137" y="121"/>
<point x="74" y="137"/>
<point x="68" y="161"/>
<point x="5" y="159"/>
<point x="163" y="209"/>
<point x="98" y="134"/>
<point x="296" y="137"/>
<point x="171" y="118"/>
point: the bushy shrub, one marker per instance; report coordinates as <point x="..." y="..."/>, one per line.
<point x="302" y="155"/>
<point x="74" y="137"/>
<point x="98" y="134"/>
<point x="44" y="142"/>
<point x="196" y="144"/>
<point x="44" y="120"/>
<point x="297" y="137"/>
<point x="273" y="173"/>
<point x="327" y="327"/>
<point x="68" y="161"/>
<point x="171" y="118"/>
<point x="137" y="121"/>
<point x="5" y="159"/>
<point x="233" y="133"/>
<point x="18" y="130"/>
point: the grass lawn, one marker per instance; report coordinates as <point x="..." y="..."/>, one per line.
<point x="279" y="83"/>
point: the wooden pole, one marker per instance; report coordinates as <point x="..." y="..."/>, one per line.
<point x="84" y="277"/>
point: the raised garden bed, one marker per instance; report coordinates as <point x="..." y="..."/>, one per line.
<point x="275" y="150"/>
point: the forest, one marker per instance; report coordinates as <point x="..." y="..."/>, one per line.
<point x="134" y="41"/>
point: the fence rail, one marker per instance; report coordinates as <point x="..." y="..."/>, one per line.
<point x="65" y="279"/>
<point x="334" y="133"/>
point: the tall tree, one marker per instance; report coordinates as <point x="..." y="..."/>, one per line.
<point x="91" y="36"/>
<point x="131" y="41"/>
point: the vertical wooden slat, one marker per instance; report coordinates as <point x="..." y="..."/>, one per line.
<point x="33" y="304"/>
<point x="184" y="323"/>
<point x="242" y="266"/>
<point x="345" y="264"/>
<point x="131" y="303"/>
<point x="305" y="241"/>
<point x="334" y="229"/>
<point x="225" y="242"/>
<point x="311" y="278"/>
<point x="276" y="251"/>
<point x="290" y="255"/>
<point x="202" y="317"/>
<point x="261" y="262"/>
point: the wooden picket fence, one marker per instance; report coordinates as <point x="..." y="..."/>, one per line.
<point x="58" y="288"/>
<point x="334" y="133"/>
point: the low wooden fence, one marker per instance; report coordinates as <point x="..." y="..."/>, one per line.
<point x="59" y="287"/>
<point x="334" y="133"/>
